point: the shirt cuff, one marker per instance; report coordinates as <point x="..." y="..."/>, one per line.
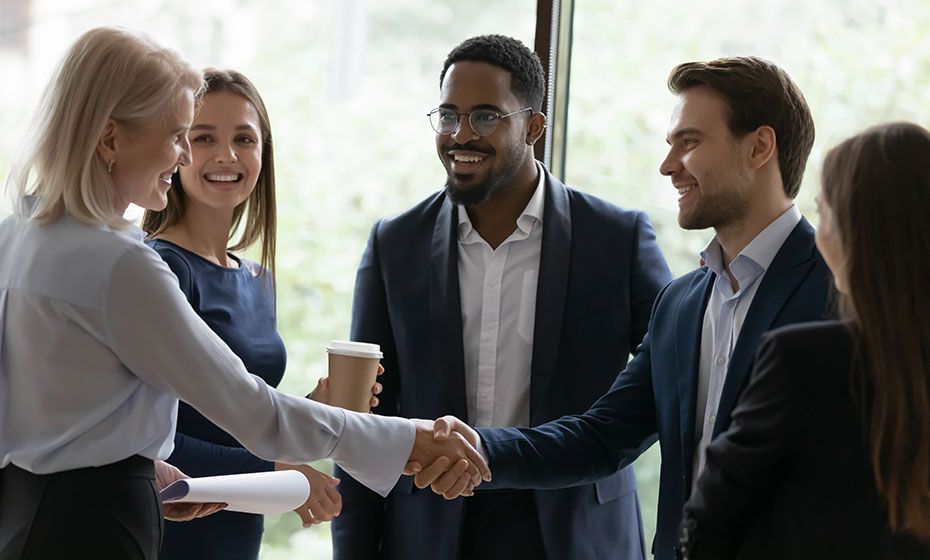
<point x="374" y="449"/>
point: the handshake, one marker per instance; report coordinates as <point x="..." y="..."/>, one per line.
<point x="444" y="457"/>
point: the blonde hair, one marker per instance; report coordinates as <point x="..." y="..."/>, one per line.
<point x="109" y="73"/>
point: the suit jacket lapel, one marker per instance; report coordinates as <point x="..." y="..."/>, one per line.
<point x="789" y="268"/>
<point x="690" y="324"/>
<point x="445" y="308"/>
<point x="551" y="288"/>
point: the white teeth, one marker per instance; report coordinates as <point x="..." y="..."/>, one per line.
<point x="467" y="159"/>
<point x="222" y="178"/>
<point x="686" y="189"/>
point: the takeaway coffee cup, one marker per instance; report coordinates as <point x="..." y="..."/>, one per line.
<point x="353" y="367"/>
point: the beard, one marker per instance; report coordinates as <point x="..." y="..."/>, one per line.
<point x="725" y="207"/>
<point x="497" y="180"/>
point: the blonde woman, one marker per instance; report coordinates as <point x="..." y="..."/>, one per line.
<point x="98" y="342"/>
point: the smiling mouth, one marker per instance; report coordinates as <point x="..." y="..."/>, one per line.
<point x="465" y="161"/>
<point x="166" y="177"/>
<point x="224" y="178"/>
<point x="683" y="190"/>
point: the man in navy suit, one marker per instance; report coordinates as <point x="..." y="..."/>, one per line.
<point x="739" y="138"/>
<point x="508" y="299"/>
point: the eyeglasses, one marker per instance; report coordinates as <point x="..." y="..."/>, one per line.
<point x="483" y="122"/>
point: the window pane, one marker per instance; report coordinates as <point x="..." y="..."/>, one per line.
<point x="858" y="63"/>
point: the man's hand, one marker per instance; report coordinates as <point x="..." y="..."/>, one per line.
<point x="321" y="393"/>
<point x="447" y="447"/>
<point x="324" y="502"/>
<point x="165" y="474"/>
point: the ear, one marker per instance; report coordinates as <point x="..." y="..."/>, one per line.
<point x="764" y="145"/>
<point x="536" y="127"/>
<point x="107" y="144"/>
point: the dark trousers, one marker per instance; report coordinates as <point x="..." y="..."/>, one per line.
<point x="101" y="512"/>
<point x="502" y="526"/>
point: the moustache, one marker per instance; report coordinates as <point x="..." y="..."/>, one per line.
<point x="468" y="146"/>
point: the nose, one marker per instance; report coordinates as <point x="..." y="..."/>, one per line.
<point x="185" y="159"/>
<point x="670" y="165"/>
<point x="225" y="153"/>
<point x="463" y="132"/>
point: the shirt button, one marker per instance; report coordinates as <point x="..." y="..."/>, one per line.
<point x="721" y="360"/>
<point x="712" y="419"/>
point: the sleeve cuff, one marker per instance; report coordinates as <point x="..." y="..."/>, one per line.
<point x="374" y="449"/>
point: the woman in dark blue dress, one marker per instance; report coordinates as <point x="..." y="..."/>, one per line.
<point x="230" y="181"/>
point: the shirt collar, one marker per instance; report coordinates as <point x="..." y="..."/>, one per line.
<point x="760" y="252"/>
<point x="532" y="213"/>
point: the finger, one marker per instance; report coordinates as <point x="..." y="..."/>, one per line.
<point x="327" y="508"/>
<point x="336" y="498"/>
<point x="320" y="514"/>
<point x="450" y="478"/>
<point x="428" y="475"/>
<point x="469" y="490"/>
<point x="441" y="429"/>
<point x="374" y="402"/>
<point x="210" y="509"/>
<point x="458" y="488"/>
<point x="376" y="388"/>
<point x="181" y="512"/>
<point x="475" y="458"/>
<point x="412" y="468"/>
<point x="306" y="518"/>
<point x="380" y="369"/>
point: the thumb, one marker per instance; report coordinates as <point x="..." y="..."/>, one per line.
<point x="442" y="428"/>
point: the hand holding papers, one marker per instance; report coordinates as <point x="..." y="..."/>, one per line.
<point x="166" y="475"/>
<point x="263" y="492"/>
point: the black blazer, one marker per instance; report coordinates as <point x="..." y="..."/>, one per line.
<point x="599" y="272"/>
<point x="792" y="478"/>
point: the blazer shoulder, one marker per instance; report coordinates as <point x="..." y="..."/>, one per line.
<point x="587" y="206"/>
<point x="419" y="217"/>
<point x="806" y="339"/>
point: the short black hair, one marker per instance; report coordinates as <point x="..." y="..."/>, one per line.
<point x="528" y="81"/>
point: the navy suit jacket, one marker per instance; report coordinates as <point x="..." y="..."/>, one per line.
<point x="655" y="395"/>
<point x="600" y="271"/>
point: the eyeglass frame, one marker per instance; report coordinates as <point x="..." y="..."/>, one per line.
<point x="459" y="116"/>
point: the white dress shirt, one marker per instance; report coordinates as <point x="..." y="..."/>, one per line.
<point x="724" y="316"/>
<point x="498" y="297"/>
<point x="98" y="342"/>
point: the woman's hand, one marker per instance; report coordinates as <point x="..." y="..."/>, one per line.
<point x="324" y="502"/>
<point x="165" y="474"/>
<point x="321" y="393"/>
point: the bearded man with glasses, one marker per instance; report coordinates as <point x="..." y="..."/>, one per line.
<point x="508" y="299"/>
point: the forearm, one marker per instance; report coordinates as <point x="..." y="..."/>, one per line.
<point x="197" y="457"/>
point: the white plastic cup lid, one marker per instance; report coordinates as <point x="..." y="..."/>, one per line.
<point x="356" y="349"/>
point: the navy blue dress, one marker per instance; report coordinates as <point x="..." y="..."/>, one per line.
<point x="240" y="308"/>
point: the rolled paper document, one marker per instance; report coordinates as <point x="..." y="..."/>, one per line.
<point x="264" y="492"/>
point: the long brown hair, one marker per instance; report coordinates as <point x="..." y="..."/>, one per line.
<point x="878" y="185"/>
<point x="259" y="209"/>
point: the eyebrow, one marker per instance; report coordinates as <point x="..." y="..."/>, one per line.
<point x="212" y="127"/>
<point x="688" y="131"/>
<point x="487" y="106"/>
